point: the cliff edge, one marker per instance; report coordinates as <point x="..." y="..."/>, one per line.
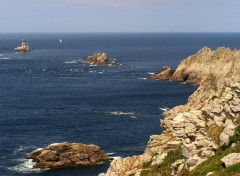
<point x="198" y="130"/>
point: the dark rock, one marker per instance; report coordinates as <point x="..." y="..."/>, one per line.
<point x="62" y="155"/>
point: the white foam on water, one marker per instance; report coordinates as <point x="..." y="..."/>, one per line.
<point x="100" y="72"/>
<point x="71" y="62"/>
<point x="1" y="54"/>
<point x="119" y="113"/>
<point x="116" y="157"/>
<point x="26" y="166"/>
<point x="164" y="109"/>
<point x="5" y="58"/>
<point x="22" y="148"/>
<point x="111" y="153"/>
<point x="92" y="71"/>
<point x="142" y="78"/>
<point x="151" y="73"/>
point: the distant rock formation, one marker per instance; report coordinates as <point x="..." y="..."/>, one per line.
<point x="63" y="155"/>
<point x="198" y="128"/>
<point x="100" y="59"/>
<point x="221" y="62"/>
<point x="165" y="74"/>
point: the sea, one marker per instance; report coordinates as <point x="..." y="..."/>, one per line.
<point x="49" y="95"/>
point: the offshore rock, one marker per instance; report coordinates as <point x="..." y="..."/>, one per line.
<point x="165" y="74"/>
<point x="100" y="59"/>
<point x="63" y="155"/>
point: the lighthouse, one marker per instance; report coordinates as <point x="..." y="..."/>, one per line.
<point x="24" y="47"/>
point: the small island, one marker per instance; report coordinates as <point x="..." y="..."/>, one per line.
<point x="100" y="59"/>
<point x="65" y="155"/>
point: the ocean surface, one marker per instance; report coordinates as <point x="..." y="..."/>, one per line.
<point x="49" y="95"/>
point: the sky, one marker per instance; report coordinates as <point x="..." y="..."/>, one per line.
<point x="119" y="16"/>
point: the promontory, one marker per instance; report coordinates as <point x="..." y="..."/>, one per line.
<point x="200" y="138"/>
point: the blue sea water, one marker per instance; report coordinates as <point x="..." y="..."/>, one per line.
<point x="49" y="95"/>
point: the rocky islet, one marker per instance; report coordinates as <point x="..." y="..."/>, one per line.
<point x="65" y="155"/>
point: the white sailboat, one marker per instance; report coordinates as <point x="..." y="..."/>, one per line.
<point x="60" y="40"/>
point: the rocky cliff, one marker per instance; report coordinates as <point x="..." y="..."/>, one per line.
<point x="195" y="131"/>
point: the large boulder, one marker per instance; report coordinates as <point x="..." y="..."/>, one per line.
<point x="100" y="59"/>
<point x="62" y="155"/>
<point x="231" y="159"/>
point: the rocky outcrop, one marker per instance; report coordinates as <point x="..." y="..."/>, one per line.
<point x="221" y="62"/>
<point x="62" y="155"/>
<point x="165" y="74"/>
<point x="100" y="59"/>
<point x="204" y="123"/>
<point x="231" y="159"/>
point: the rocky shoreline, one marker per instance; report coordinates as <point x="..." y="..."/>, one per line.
<point x="195" y="131"/>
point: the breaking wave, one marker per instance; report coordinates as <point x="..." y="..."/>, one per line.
<point x="71" y="62"/>
<point x="22" y="148"/>
<point x="25" y="166"/>
<point x="119" y="113"/>
<point x="151" y="73"/>
<point x="164" y="109"/>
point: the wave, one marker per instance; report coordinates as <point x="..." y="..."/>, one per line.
<point x="4" y="58"/>
<point x="119" y="113"/>
<point x="164" y="109"/>
<point x="71" y="62"/>
<point x="151" y="73"/>
<point x="116" y="157"/>
<point x="26" y="166"/>
<point x="1" y="54"/>
<point x="22" y="148"/>
<point x="142" y="78"/>
<point x="109" y="154"/>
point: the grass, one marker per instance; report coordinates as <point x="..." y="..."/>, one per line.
<point x="214" y="132"/>
<point x="164" y="168"/>
<point x="214" y="164"/>
<point x="211" y="82"/>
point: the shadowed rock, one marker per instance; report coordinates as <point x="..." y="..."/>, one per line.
<point x="62" y="155"/>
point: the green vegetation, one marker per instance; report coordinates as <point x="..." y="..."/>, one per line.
<point x="214" y="164"/>
<point x="214" y="132"/>
<point x="236" y="137"/>
<point x="211" y="82"/>
<point x="165" y="167"/>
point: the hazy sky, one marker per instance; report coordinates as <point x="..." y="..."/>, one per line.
<point x="119" y="16"/>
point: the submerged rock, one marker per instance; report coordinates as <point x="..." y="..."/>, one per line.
<point x="62" y="155"/>
<point x="100" y="59"/>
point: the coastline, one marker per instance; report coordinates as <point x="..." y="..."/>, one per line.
<point x="198" y="128"/>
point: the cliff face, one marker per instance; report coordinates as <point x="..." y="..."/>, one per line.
<point x="199" y="127"/>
